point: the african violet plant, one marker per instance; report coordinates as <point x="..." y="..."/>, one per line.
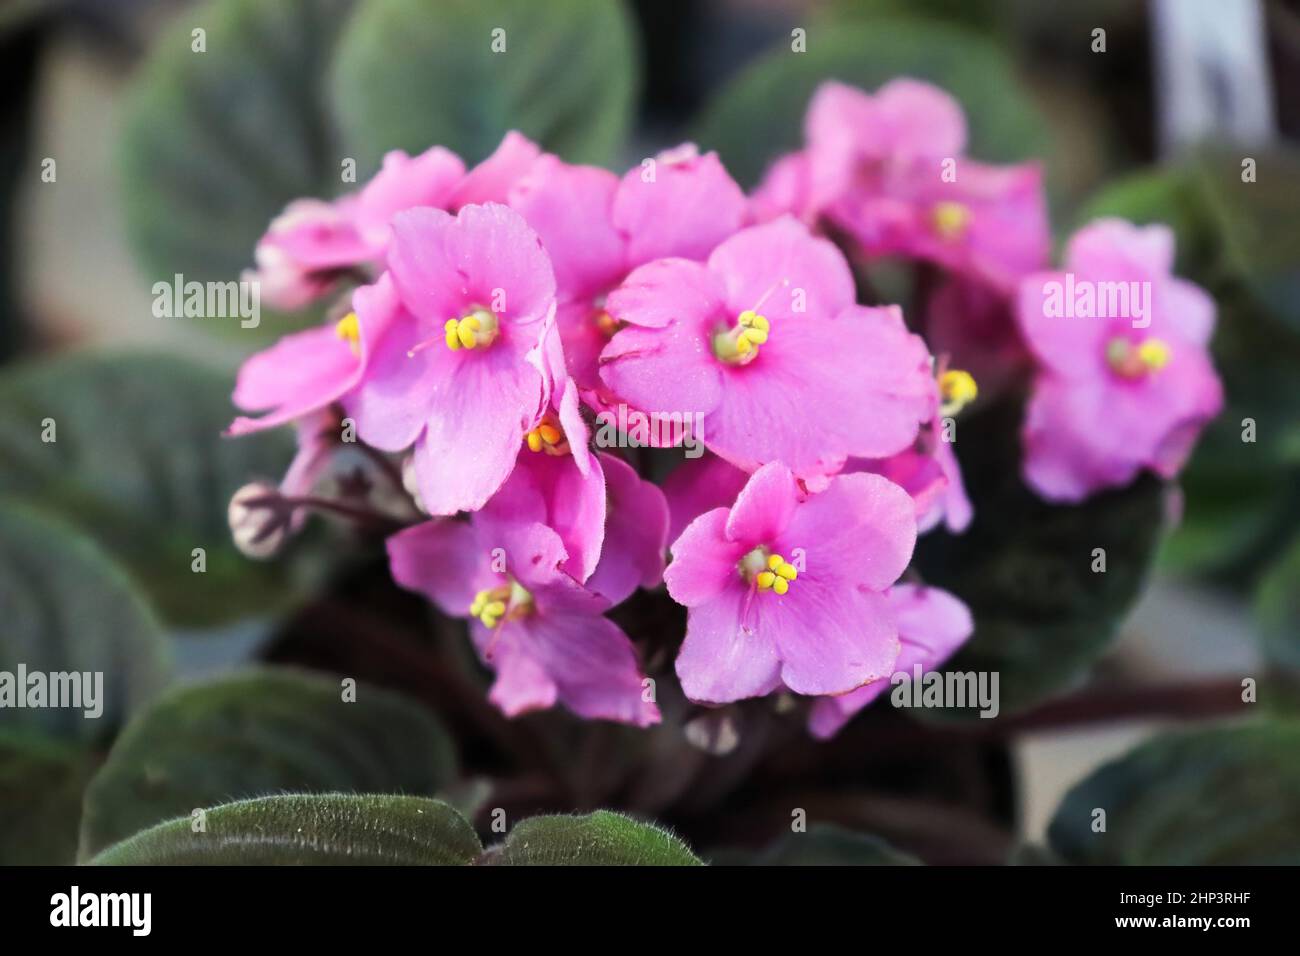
<point x="644" y="496"/>
<point x="503" y="335"/>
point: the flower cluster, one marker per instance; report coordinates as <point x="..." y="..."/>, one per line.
<point x="486" y="321"/>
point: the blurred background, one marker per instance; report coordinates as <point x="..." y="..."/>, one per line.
<point x="157" y="162"/>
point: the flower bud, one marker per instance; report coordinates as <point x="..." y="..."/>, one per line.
<point x="258" y="520"/>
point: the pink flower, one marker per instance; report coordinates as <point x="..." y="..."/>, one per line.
<point x="558" y="482"/>
<point x="543" y="634"/>
<point x="597" y="228"/>
<point x="462" y="372"/>
<point x="313" y="241"/>
<point x="636" y="533"/>
<point x="698" y="485"/>
<point x="1127" y="381"/>
<point x="765" y="342"/>
<point x="306" y="371"/>
<point x="929" y="470"/>
<point x="888" y="170"/>
<point x="613" y="525"/>
<point x="932" y="624"/>
<point x="788" y="589"/>
<point x="974" y="327"/>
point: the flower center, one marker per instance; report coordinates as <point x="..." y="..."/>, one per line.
<point x="767" y="570"/>
<point x="950" y="220"/>
<point x="548" y="437"/>
<point x="739" y="344"/>
<point x="605" y="323"/>
<point x="479" y="328"/>
<point x="1136" y="361"/>
<point x="957" y="389"/>
<point x="505" y="603"/>
<point x="348" y="329"/>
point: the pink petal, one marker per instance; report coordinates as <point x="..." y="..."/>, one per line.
<point x="443" y="560"/>
<point x="920" y="119"/>
<point x="867" y="378"/>
<point x="781" y="271"/>
<point x="721" y="660"/>
<point x="302" y="372"/>
<point x="486" y="256"/>
<point x="636" y="534"/>
<point x="704" y="560"/>
<point x="405" y="182"/>
<point x="932" y="624"/>
<point x="1071" y="346"/>
<point x="784" y="190"/>
<point x="666" y="291"/>
<point x="666" y="370"/>
<point x="691" y="206"/>
<point x="479" y="407"/>
<point x="831" y="638"/>
<point x="571" y="209"/>
<point x="698" y="485"/>
<point x="491" y="180"/>
<point x="592" y="664"/>
<point x="306" y="371"/>
<point x="860" y="531"/>
<point x="573" y="504"/>
<point x="1120" y="250"/>
<point x="764" y="507"/>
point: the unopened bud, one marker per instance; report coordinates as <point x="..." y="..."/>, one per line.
<point x="258" y="520"/>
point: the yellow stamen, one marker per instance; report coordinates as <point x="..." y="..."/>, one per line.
<point x="1154" y="354"/>
<point x="950" y="220"/>
<point x="606" y="323"/>
<point x="739" y="344"/>
<point x="777" y="572"/>
<point x="348" y="329"/>
<point x="493" y="605"/>
<point x="1129" y="361"/>
<point x="548" y="437"/>
<point x="957" y="389"/>
<point x="479" y="328"/>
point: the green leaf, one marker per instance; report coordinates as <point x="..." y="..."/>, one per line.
<point x="597" y="839"/>
<point x="310" y="830"/>
<point x="411" y="73"/>
<point x="260" y="733"/>
<point x="1210" y="797"/>
<point x="215" y="143"/>
<point x="759" y="115"/>
<point x="1258" y="218"/>
<point x="1168" y="196"/>
<point x="1024" y="566"/>
<point x="41" y="781"/>
<point x="823" y="844"/>
<point x="140" y="463"/>
<point x="1277" y="609"/>
<point x="68" y="608"/>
